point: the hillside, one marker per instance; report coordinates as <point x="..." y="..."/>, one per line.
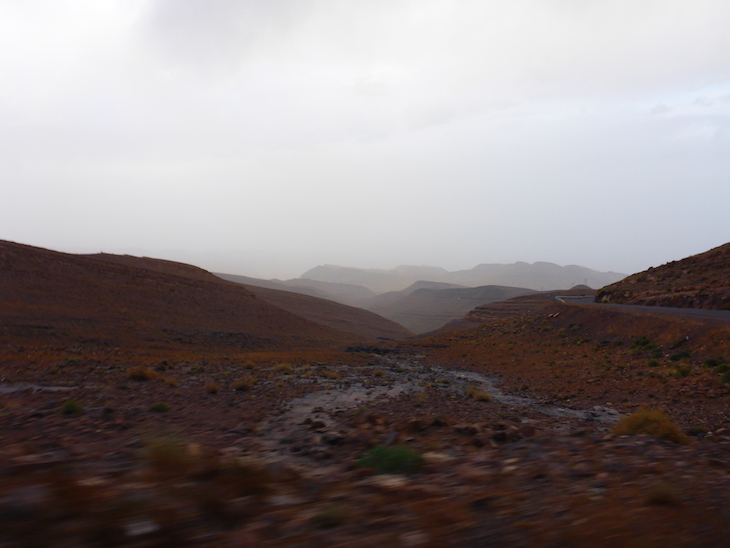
<point x="699" y="281"/>
<point x="104" y="300"/>
<point x="421" y="308"/>
<point x="540" y="276"/>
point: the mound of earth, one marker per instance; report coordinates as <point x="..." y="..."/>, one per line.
<point x="699" y="281"/>
<point x="56" y="298"/>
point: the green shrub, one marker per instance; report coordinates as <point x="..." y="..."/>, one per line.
<point x="657" y="353"/>
<point x="722" y="368"/>
<point x="399" y="459"/>
<point x="682" y="371"/>
<point x="652" y="422"/>
<point x="653" y="363"/>
<point x="72" y="407"/>
<point x="681" y="355"/>
<point x="725" y="377"/>
<point x="159" y="407"/>
<point x="713" y="362"/>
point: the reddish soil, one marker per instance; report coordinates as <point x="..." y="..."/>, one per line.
<point x="130" y="415"/>
<point x="700" y="281"/>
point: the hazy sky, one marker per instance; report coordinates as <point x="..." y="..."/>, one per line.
<point x="264" y="137"/>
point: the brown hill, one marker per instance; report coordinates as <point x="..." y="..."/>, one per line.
<point x="421" y="308"/>
<point x="699" y="281"/>
<point x="55" y="298"/>
<point x="333" y="314"/>
<point x="310" y="307"/>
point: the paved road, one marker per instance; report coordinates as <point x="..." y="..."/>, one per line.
<point x="716" y="314"/>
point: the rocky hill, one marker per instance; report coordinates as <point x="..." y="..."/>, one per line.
<point x="699" y="281"/>
<point x="111" y="301"/>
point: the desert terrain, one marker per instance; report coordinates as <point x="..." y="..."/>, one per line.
<point x="148" y="403"/>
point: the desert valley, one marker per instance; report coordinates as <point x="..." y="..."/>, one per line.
<point x="145" y="402"/>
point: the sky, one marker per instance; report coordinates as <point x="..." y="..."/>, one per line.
<point x="265" y="137"/>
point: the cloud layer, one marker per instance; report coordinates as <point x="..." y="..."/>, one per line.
<point x="268" y="137"/>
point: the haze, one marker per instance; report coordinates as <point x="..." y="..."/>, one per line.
<point x="267" y="137"/>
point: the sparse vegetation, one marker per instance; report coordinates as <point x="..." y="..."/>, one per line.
<point x="159" y="407"/>
<point x="663" y="494"/>
<point x="332" y="375"/>
<point x="245" y="383"/>
<point x="212" y="388"/>
<point x="167" y="455"/>
<point x="399" y="459"/>
<point x="652" y="422"/>
<point x="284" y="367"/>
<point x="140" y="373"/>
<point x="477" y="394"/>
<point x="71" y="407"/>
<point x="681" y="355"/>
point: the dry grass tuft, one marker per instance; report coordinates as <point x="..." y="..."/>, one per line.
<point x="652" y="422"/>
<point x="284" y="367"/>
<point x="212" y="388"/>
<point x="478" y="395"/>
<point x="140" y="373"/>
<point x="332" y="375"/>
<point x="245" y="383"/>
<point x="663" y="494"/>
<point x="169" y="381"/>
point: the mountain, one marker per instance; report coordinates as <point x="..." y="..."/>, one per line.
<point x="699" y="281"/>
<point x="422" y="309"/>
<point x="538" y="276"/>
<point x="113" y="301"/>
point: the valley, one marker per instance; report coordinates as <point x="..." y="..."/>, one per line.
<point x="148" y="403"/>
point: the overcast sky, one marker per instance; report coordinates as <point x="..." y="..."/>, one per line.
<point x="265" y="137"/>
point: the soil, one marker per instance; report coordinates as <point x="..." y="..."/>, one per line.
<point x="115" y="432"/>
<point x="699" y="281"/>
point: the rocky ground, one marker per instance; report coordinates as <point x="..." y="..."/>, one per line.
<point x="118" y="448"/>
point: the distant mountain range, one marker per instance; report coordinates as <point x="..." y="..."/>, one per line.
<point x="423" y="298"/>
<point x="540" y="276"/>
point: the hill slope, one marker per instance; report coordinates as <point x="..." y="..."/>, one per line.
<point x="424" y="309"/>
<point x="104" y="300"/>
<point x="538" y="276"/>
<point x="699" y="281"/>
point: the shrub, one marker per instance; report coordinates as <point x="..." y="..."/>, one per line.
<point x="653" y="363"/>
<point x="725" y="377"/>
<point x="682" y="371"/>
<point x="399" y="459"/>
<point x="657" y="353"/>
<point x="140" y="373"/>
<point x="652" y="422"/>
<point x="722" y="368"/>
<point x="212" y="388"/>
<point x="479" y="395"/>
<point x="681" y="355"/>
<point x="159" y="407"/>
<point x="283" y="367"/>
<point x="663" y="494"/>
<point x="169" y="381"/>
<point x="168" y="456"/>
<point x="642" y="342"/>
<point x="713" y="362"/>
<point x="246" y="383"/>
<point x="379" y="373"/>
<point x="332" y="375"/>
<point x="72" y="407"/>
<point x="331" y="516"/>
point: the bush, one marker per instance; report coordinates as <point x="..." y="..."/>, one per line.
<point x="159" y="407"/>
<point x="652" y="422"/>
<point x="285" y="368"/>
<point x="722" y="368"/>
<point x="653" y="363"/>
<point x="725" y="377"/>
<point x="399" y="459"/>
<point x="713" y="362"/>
<point x="246" y="383"/>
<point x="140" y="373"/>
<point x="681" y="355"/>
<point x="168" y="456"/>
<point x="682" y="371"/>
<point x="332" y="375"/>
<point x="479" y="395"/>
<point x="72" y="407"/>
<point x="212" y="388"/>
